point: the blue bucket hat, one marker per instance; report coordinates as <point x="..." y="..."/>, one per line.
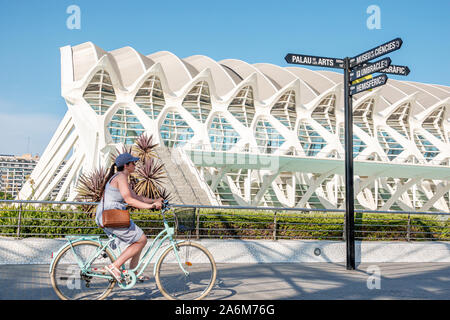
<point x="124" y="158"/>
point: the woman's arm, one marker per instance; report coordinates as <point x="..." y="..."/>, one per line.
<point x="142" y="198"/>
<point x="128" y="195"/>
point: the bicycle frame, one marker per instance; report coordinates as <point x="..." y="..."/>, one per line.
<point x="166" y="234"/>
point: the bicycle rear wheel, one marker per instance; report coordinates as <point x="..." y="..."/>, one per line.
<point x="174" y="283"/>
<point x="68" y="280"/>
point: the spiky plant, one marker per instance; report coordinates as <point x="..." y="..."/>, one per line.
<point x="150" y="175"/>
<point x="143" y="147"/>
<point x="166" y="195"/>
<point x="147" y="179"/>
<point x="89" y="188"/>
<point x="114" y="154"/>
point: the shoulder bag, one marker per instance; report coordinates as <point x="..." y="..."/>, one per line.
<point x="115" y="218"/>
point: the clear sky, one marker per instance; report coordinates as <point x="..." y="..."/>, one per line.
<point x="31" y="33"/>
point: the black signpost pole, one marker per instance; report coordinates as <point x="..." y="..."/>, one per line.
<point x="349" y="190"/>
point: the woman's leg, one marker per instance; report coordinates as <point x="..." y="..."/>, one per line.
<point x="135" y="259"/>
<point x="133" y="251"/>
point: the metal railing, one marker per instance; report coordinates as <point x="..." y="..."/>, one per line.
<point x="58" y="219"/>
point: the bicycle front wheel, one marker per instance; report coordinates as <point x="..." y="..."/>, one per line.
<point x="71" y="283"/>
<point x="201" y="274"/>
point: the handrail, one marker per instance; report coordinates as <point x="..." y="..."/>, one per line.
<point x="256" y="208"/>
<point x="19" y="220"/>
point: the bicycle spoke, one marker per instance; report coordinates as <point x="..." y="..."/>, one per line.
<point x="172" y="280"/>
<point x="71" y="283"/>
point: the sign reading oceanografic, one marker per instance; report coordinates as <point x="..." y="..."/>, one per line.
<point x="376" y="52"/>
<point x="370" y="68"/>
<point x="314" y="61"/>
<point x="398" y="70"/>
<point x="368" y="84"/>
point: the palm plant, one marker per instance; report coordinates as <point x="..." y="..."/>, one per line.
<point x="166" y="195"/>
<point x="89" y="188"/>
<point x="150" y="174"/>
<point x="114" y="154"/>
<point x="147" y="180"/>
<point x="143" y="147"/>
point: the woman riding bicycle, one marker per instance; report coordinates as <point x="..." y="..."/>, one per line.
<point x="117" y="194"/>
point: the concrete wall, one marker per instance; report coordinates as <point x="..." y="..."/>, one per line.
<point x="39" y="251"/>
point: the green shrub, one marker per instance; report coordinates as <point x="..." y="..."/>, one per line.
<point x="53" y="222"/>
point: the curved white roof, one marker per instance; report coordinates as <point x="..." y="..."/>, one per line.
<point x="131" y="64"/>
<point x="229" y="73"/>
<point x="176" y="71"/>
<point x="85" y="56"/>
<point x="223" y="81"/>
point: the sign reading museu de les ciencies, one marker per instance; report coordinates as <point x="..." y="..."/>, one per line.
<point x="358" y="77"/>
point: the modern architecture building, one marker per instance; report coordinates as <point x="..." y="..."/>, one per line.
<point x="252" y="134"/>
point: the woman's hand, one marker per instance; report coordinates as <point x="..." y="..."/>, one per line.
<point x="156" y="205"/>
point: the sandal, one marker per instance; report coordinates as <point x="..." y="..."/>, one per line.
<point x="143" y="279"/>
<point x="139" y="279"/>
<point x="111" y="268"/>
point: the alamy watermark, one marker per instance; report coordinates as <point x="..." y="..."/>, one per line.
<point x="374" y="280"/>
<point x="374" y="20"/>
<point x="229" y="159"/>
<point x="74" y="20"/>
<point x="73" y="279"/>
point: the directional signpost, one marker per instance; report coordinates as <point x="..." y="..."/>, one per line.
<point x="369" y="69"/>
<point x="355" y="68"/>
<point x="314" y="61"/>
<point x="399" y="70"/>
<point x="368" y="84"/>
<point x="376" y="52"/>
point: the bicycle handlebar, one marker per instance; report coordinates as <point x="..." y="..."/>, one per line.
<point x="165" y="205"/>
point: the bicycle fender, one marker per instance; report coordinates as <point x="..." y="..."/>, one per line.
<point x="160" y="254"/>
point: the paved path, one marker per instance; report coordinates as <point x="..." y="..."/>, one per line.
<point x="267" y="281"/>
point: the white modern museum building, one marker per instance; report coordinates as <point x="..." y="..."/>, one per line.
<point x="253" y="134"/>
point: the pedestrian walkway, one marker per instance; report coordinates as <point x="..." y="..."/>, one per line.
<point x="277" y="281"/>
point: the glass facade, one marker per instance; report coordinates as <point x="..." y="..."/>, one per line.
<point x="100" y="92"/>
<point x="399" y="119"/>
<point x="428" y="150"/>
<point x="150" y="97"/>
<point x="325" y="113"/>
<point x="222" y="136"/>
<point x="198" y="101"/>
<point x="267" y="137"/>
<point x="358" y="144"/>
<point x="390" y="146"/>
<point x="310" y="140"/>
<point x="124" y="127"/>
<point x="434" y="124"/>
<point x="284" y="110"/>
<point x="175" y="131"/>
<point x="242" y="107"/>
<point x="363" y="116"/>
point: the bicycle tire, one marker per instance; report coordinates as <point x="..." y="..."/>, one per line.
<point x="171" y="280"/>
<point x="73" y="285"/>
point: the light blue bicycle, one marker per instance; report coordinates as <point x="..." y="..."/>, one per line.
<point x="183" y="270"/>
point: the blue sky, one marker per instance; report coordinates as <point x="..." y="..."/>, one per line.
<point x="31" y="33"/>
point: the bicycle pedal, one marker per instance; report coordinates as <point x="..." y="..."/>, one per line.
<point x="127" y="278"/>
